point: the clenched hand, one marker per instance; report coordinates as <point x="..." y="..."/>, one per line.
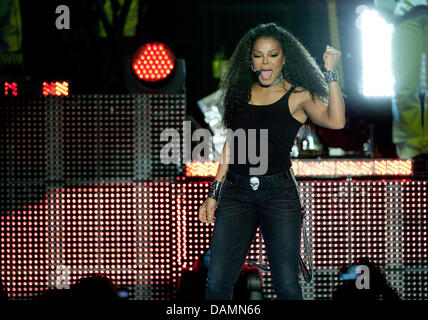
<point x="207" y="210"/>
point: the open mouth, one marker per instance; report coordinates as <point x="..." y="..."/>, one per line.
<point x="266" y="74"/>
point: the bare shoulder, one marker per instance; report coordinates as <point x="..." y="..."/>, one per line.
<point x="301" y="95"/>
<point x="304" y="95"/>
<point x="296" y="100"/>
<point x="302" y="92"/>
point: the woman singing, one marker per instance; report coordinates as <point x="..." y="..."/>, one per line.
<point x="272" y="83"/>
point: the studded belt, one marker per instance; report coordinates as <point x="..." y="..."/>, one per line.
<point x="256" y="182"/>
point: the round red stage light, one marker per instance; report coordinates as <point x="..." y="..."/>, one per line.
<point x="153" y="62"/>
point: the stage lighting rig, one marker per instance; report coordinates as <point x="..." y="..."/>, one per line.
<point x="154" y="68"/>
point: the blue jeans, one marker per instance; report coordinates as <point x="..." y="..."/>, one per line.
<point x="275" y="207"/>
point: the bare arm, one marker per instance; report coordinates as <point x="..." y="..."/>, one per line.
<point x="333" y="116"/>
<point x="336" y="105"/>
<point x="224" y="164"/>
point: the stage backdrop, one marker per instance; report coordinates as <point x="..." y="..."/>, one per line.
<point x="83" y="191"/>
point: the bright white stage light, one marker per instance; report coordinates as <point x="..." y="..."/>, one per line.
<point x="376" y="35"/>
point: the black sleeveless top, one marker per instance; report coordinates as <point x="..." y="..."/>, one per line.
<point x="282" y="130"/>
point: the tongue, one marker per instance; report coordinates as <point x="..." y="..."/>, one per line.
<point x="266" y="74"/>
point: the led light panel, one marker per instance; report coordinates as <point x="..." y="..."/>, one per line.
<point x="83" y="191"/>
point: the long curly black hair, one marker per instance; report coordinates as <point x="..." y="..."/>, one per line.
<point x="300" y="69"/>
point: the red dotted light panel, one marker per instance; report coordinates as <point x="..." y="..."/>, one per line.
<point x="75" y="153"/>
<point x="143" y="234"/>
<point x="83" y="191"/>
<point x="10" y="88"/>
<point x="121" y="230"/>
<point x="323" y="168"/>
<point x="56" y="88"/>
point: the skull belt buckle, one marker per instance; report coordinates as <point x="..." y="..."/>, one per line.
<point x="254" y="183"/>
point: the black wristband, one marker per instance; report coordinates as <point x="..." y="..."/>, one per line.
<point x="214" y="189"/>
<point x="331" y="76"/>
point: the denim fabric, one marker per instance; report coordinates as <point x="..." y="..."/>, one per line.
<point x="276" y="208"/>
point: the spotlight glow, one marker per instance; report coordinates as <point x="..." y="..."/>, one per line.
<point x="376" y="37"/>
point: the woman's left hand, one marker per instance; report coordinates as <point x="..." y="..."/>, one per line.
<point x="331" y="58"/>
